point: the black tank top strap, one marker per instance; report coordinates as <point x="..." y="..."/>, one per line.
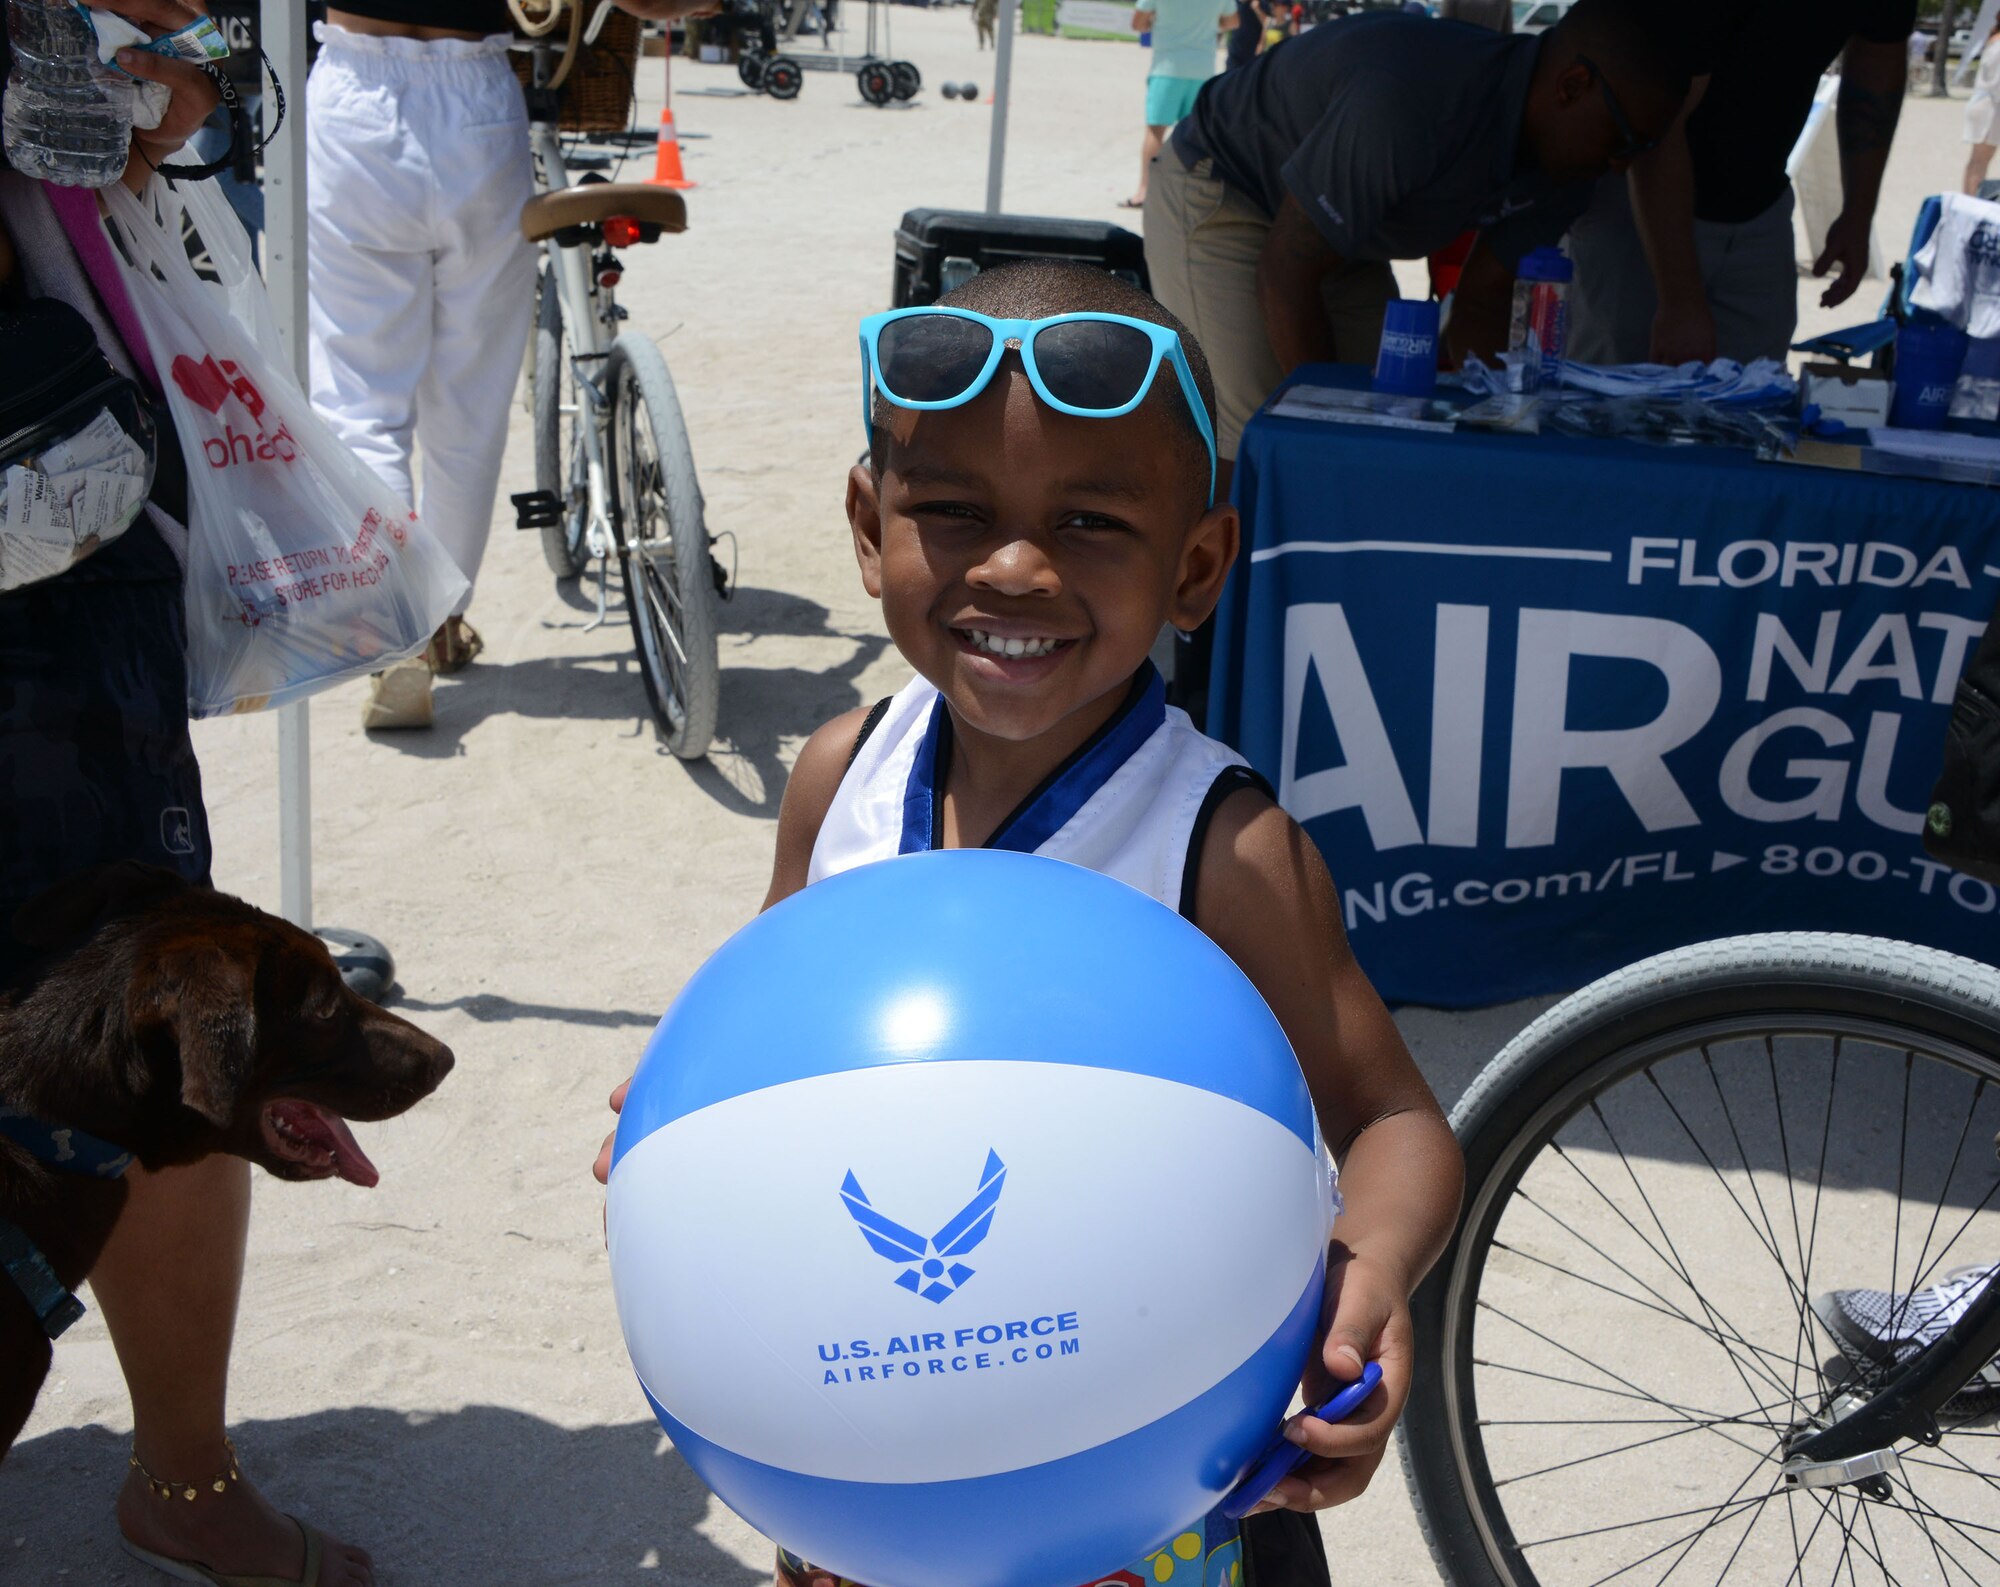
<point x="869" y="723"/>
<point x="1231" y="779"/>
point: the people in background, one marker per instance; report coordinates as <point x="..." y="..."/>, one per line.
<point x="1693" y="256"/>
<point x="1247" y="38"/>
<point x="419" y="281"/>
<point x="1982" y="111"/>
<point x="1184" y="37"/>
<point x="1283" y="196"/>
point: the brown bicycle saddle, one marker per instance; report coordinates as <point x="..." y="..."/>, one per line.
<point x="590" y="203"/>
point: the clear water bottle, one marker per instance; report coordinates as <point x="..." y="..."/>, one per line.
<point x="67" y="116"/>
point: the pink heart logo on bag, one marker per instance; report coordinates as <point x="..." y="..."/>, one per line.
<point x="203" y="382"/>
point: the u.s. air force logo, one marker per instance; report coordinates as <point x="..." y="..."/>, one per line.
<point x="928" y="1266"/>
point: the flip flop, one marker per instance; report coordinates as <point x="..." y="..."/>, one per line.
<point x="1131" y="203"/>
<point x="189" y="1571"/>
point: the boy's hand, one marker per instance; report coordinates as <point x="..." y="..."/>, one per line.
<point x="602" y="1167"/>
<point x="1367" y="1317"/>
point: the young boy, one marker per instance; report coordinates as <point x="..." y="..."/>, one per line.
<point x="1026" y="558"/>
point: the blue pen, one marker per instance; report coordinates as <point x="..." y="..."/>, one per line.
<point x="1285" y="1457"/>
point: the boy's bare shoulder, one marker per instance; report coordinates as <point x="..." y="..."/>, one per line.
<point x="809" y="792"/>
<point x="1262" y="888"/>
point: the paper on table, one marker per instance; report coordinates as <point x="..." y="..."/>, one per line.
<point x="1342" y="406"/>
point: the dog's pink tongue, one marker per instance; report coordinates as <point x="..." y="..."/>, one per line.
<point x="349" y="1161"/>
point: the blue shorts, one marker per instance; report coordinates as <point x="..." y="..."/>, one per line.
<point x="95" y="759"/>
<point x="1170" y="98"/>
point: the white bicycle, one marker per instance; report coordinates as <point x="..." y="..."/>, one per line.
<point x="614" y="473"/>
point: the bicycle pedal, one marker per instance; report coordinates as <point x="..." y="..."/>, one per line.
<point x="537" y="509"/>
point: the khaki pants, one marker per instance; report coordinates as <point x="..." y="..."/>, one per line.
<point x="1748" y="272"/>
<point x="1202" y="247"/>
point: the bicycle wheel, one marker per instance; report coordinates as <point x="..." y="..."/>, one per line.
<point x="558" y="443"/>
<point x="663" y="551"/>
<point x="1663" y="1173"/>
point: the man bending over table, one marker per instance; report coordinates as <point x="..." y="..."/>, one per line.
<point x="1273" y="216"/>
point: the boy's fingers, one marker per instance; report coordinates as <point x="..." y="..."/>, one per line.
<point x="1320" y="1487"/>
<point x="601" y="1169"/>
<point x="618" y="1095"/>
<point x="1367" y="1429"/>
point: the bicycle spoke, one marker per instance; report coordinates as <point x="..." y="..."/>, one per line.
<point x="1749" y="1169"/>
<point x="1944" y="1189"/>
<point x="1664" y="1308"/>
<point x="1685" y="1412"/>
<point x="1958" y="1463"/>
<point x="1680" y="1266"/>
<point x="1606" y="1454"/>
<point x="1876" y="1552"/>
<point x="1931" y="1512"/>
<point x="1650" y="1520"/>
<point x="1593" y="1366"/>
<point x="1902" y="1156"/>
<point x="1702" y="1531"/>
<point x="1640" y="1234"/>
<point x="1802" y="1342"/>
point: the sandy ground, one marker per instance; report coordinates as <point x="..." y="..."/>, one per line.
<point x="433" y="1368"/>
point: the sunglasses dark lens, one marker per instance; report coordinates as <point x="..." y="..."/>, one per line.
<point x="932" y="357"/>
<point x="1093" y="364"/>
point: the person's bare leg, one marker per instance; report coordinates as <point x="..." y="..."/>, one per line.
<point x="1976" y="166"/>
<point x="168" y="1281"/>
<point x="1149" y="151"/>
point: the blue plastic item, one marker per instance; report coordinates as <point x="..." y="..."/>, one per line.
<point x="1927" y="363"/>
<point x="1285" y="1457"/>
<point x="1406" y="363"/>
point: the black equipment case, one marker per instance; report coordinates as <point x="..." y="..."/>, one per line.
<point x="938" y="248"/>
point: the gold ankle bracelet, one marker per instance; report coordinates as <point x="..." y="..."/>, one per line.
<point x="219" y="1483"/>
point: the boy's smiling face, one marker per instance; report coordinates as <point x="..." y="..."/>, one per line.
<point x="1027" y="559"/>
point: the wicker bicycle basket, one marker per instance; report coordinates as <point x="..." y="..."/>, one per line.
<point x="597" y="96"/>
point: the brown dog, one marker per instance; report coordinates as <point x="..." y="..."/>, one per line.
<point x="172" y="1022"/>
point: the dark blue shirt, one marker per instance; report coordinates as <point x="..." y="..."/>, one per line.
<point x="1393" y="133"/>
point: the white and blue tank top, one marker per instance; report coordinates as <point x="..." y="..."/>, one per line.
<point x="1133" y="802"/>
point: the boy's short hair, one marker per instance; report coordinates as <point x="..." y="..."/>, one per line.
<point x="1038" y="289"/>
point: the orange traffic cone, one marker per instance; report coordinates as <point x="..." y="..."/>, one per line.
<point x="667" y="170"/>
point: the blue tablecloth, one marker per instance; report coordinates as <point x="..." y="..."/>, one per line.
<point x="1549" y="705"/>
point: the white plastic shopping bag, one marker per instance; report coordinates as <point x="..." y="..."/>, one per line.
<point x="303" y="567"/>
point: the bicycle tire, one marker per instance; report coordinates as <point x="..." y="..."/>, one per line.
<point x="670" y="588"/>
<point x="563" y="546"/>
<point x="1574" y="1054"/>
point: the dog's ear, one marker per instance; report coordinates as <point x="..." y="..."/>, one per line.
<point x="196" y="999"/>
<point x="65" y="915"/>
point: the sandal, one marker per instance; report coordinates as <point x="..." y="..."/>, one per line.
<point x="399" y="697"/>
<point x="454" y="647"/>
<point x="189" y="1571"/>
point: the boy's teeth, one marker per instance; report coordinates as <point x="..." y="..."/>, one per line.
<point x="995" y="646"/>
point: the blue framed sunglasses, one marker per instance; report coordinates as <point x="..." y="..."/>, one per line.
<point x="1096" y="366"/>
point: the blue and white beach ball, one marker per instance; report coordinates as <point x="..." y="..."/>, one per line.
<point x="968" y="1221"/>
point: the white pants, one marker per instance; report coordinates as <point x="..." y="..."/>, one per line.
<point x="421" y="285"/>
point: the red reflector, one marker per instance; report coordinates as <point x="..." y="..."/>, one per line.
<point x="610" y="278"/>
<point x="621" y="231"/>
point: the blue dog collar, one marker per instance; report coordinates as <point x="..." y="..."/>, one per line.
<point x="68" y="1150"/>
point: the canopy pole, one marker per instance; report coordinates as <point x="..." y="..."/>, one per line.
<point x="1003" y="71"/>
<point x="282" y="29"/>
